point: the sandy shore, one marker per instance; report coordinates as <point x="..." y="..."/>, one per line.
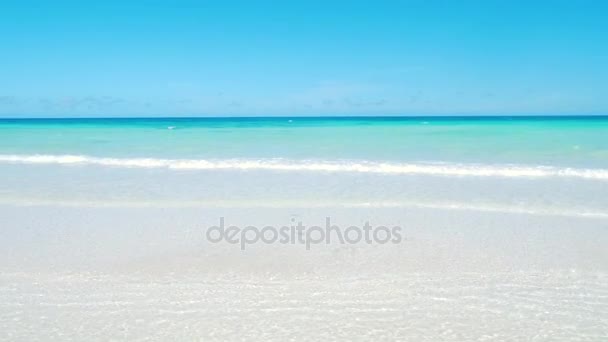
<point x="69" y="273"/>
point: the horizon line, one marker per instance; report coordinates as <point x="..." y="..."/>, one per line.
<point x="447" y="116"/>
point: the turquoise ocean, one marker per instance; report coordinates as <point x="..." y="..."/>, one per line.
<point x="553" y="164"/>
<point x="562" y="142"/>
<point x="567" y="141"/>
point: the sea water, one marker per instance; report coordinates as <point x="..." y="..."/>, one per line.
<point x="504" y="223"/>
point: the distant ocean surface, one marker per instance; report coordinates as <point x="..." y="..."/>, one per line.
<point x="537" y="164"/>
<point x="444" y="145"/>
<point x="514" y="164"/>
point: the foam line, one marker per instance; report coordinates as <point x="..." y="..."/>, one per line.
<point x="443" y="169"/>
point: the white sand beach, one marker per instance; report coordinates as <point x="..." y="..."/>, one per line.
<point x="74" y="273"/>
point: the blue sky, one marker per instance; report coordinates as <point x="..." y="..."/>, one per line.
<point x="219" y="58"/>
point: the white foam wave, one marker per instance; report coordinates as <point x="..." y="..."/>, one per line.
<point x="444" y="169"/>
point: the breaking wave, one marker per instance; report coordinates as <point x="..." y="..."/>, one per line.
<point x="434" y="169"/>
